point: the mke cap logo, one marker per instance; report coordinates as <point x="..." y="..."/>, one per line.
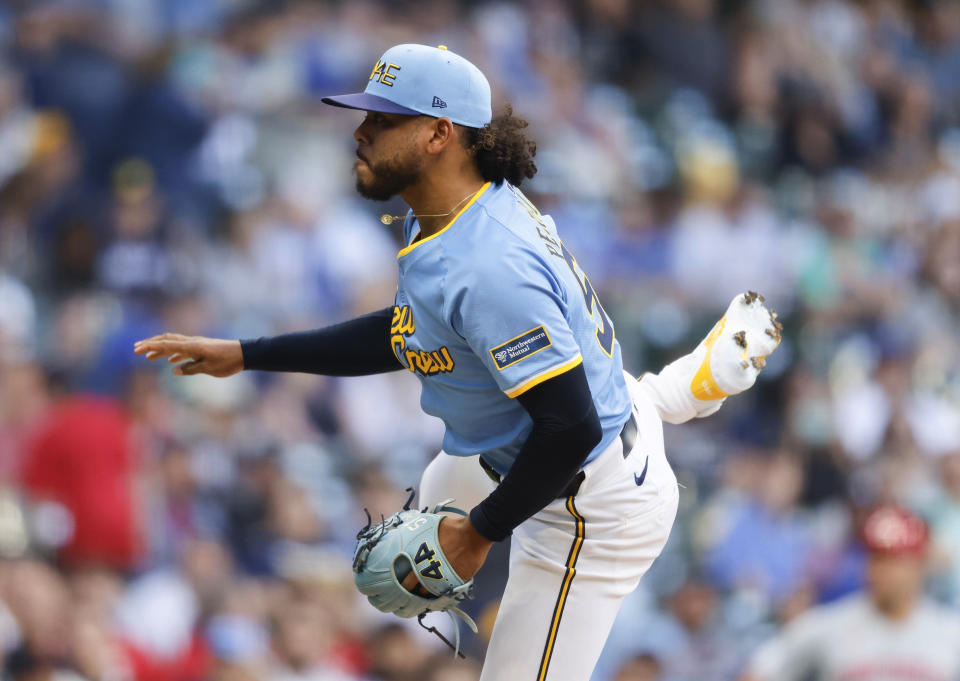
<point x="384" y="73"/>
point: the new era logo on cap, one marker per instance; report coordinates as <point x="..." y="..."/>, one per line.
<point x="417" y="79"/>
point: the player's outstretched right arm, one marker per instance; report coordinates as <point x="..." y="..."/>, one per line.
<point x="357" y="347"/>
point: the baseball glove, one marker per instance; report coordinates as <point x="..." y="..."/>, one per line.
<point x="389" y="550"/>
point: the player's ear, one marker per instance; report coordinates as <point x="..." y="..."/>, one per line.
<point x="442" y="133"/>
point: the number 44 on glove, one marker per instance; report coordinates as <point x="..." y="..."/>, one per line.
<point x="406" y="542"/>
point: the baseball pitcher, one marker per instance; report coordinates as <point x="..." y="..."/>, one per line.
<point x="547" y="439"/>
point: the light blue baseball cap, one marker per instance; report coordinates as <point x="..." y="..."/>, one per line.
<point x="418" y="79"/>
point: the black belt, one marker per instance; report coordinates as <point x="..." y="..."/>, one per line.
<point x="628" y="437"/>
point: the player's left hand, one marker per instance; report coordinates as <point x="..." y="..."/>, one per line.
<point x="409" y="544"/>
<point x="465" y="549"/>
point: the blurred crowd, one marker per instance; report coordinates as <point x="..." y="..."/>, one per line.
<point x="166" y="165"/>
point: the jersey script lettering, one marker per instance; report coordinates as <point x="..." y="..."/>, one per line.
<point x="426" y="363"/>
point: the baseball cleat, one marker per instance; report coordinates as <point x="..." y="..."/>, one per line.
<point x="736" y="348"/>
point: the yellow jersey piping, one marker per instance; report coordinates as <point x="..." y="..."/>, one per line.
<point x="544" y="376"/>
<point x="416" y="243"/>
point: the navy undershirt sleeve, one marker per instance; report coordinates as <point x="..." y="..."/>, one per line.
<point x="357" y="347"/>
<point x="566" y="428"/>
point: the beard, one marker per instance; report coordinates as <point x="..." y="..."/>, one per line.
<point x="390" y="177"/>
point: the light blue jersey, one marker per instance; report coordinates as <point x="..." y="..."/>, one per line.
<point x="491" y="306"/>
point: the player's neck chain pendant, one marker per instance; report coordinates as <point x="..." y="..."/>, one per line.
<point x="389" y="219"/>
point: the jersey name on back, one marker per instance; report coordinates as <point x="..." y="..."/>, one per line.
<point x="491" y="306"/>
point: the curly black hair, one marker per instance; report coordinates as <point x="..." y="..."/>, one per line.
<point x="502" y="150"/>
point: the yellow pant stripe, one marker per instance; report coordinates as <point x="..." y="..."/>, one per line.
<point x="568" y="576"/>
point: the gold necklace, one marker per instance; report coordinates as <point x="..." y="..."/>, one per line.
<point x="388" y="219"/>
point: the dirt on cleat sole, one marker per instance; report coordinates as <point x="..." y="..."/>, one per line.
<point x="740" y="337"/>
<point x="751" y="296"/>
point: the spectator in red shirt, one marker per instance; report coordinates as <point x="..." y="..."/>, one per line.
<point x="83" y="458"/>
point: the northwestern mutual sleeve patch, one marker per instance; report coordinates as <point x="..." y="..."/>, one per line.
<point x="520" y="347"/>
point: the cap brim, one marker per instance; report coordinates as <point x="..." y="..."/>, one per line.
<point x="367" y="102"/>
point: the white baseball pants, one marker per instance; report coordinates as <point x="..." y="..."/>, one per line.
<point x="573" y="563"/>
